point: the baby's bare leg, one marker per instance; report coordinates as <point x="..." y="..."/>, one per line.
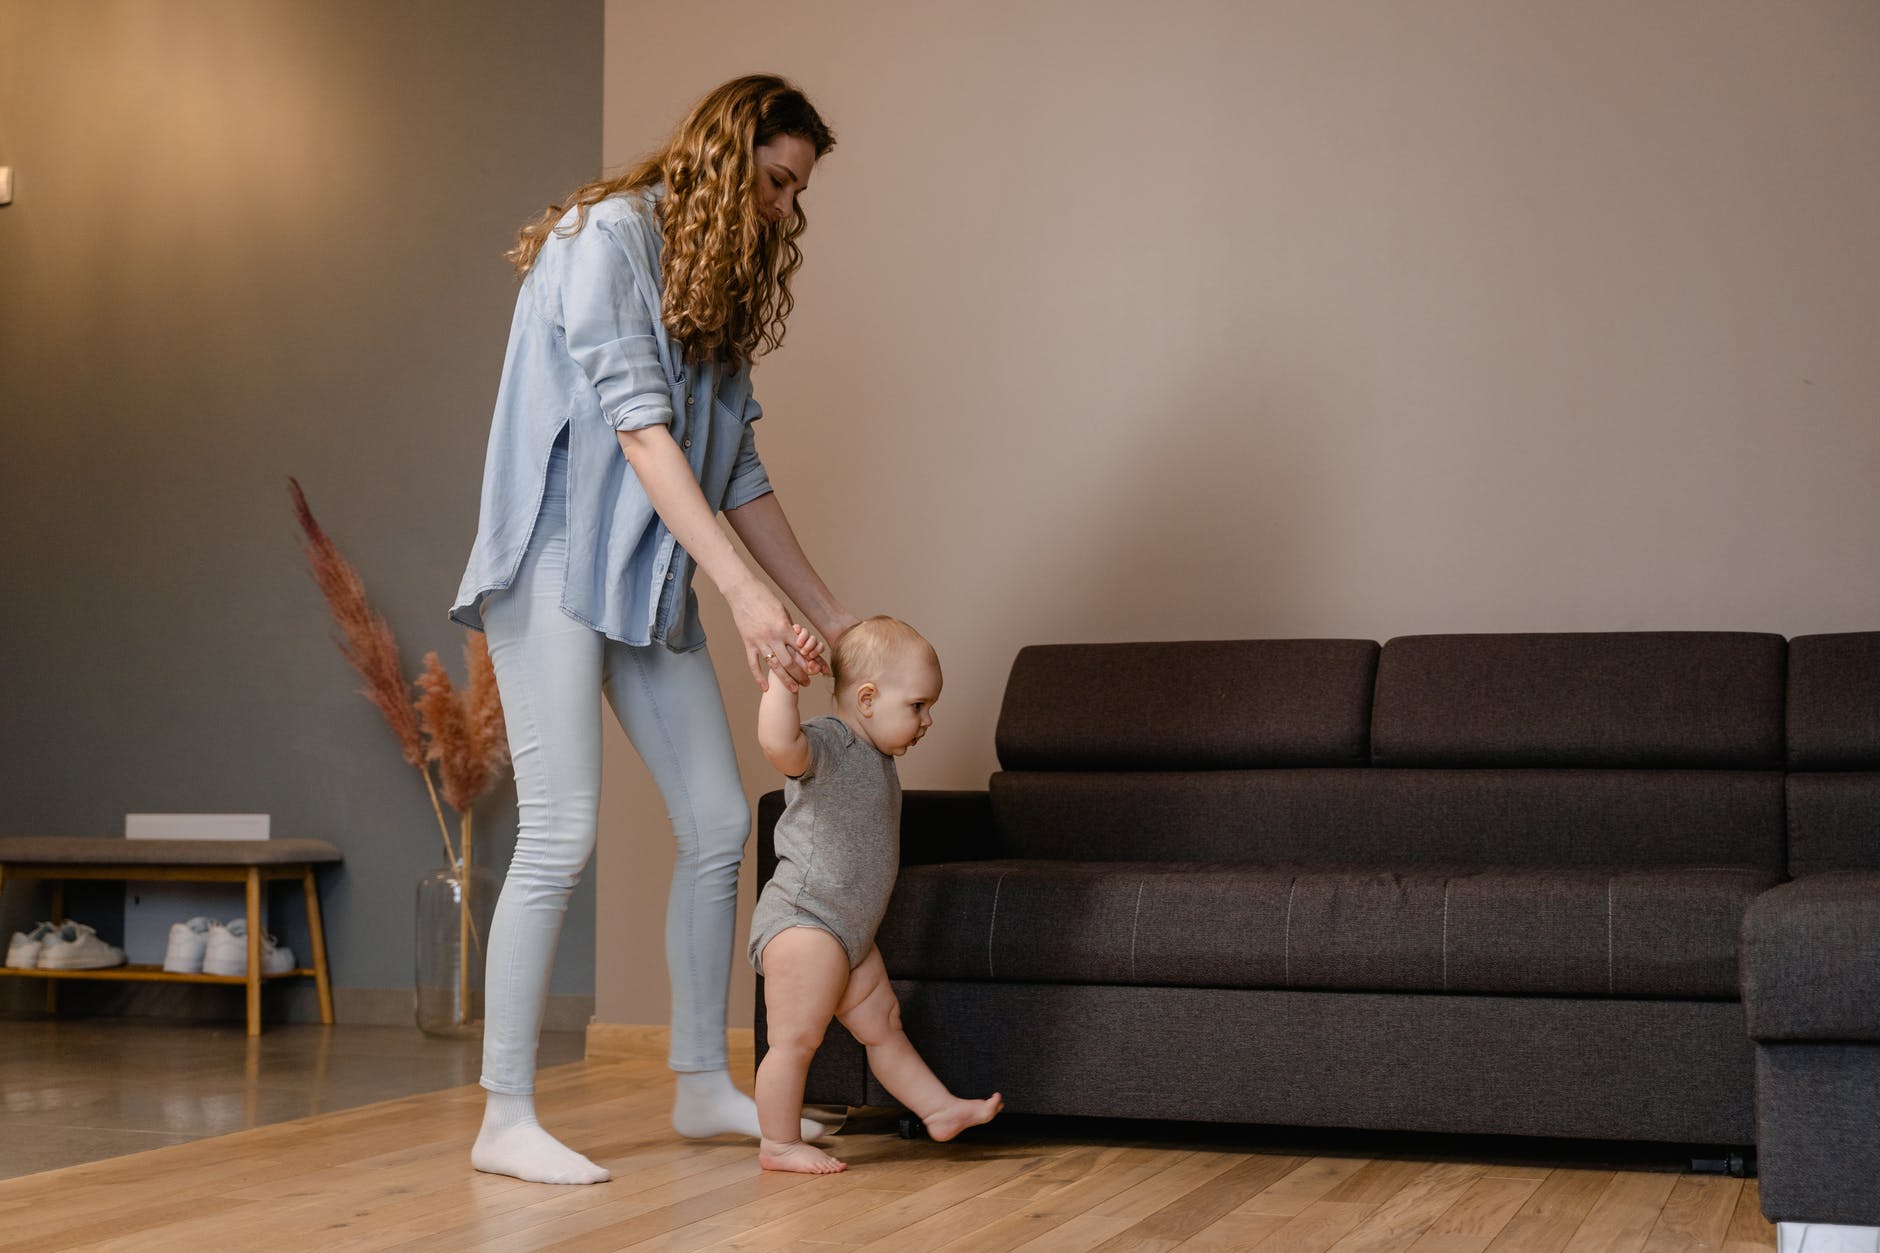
<point x="805" y="973"/>
<point x="872" y="1014"/>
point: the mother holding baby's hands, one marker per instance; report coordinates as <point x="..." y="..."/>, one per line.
<point x="622" y="427"/>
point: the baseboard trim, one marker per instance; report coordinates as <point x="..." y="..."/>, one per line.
<point x="392" y="1007"/>
<point x="617" y="1041"/>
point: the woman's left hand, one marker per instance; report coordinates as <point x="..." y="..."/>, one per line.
<point x="768" y="634"/>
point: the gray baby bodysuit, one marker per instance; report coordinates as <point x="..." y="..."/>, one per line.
<point x="838" y="844"/>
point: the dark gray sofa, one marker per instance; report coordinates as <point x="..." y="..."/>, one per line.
<point x="1811" y="949"/>
<point x="1464" y="883"/>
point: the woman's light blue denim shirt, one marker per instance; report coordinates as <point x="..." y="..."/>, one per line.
<point x="588" y="351"/>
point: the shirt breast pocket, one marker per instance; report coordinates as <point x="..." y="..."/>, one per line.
<point x="734" y="399"/>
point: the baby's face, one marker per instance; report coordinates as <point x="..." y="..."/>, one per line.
<point x="901" y="708"/>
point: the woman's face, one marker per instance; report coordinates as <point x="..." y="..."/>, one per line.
<point x="783" y="167"/>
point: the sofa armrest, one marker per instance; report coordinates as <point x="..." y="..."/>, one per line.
<point x="941" y="826"/>
<point x="936" y="826"/>
<point x="1811" y="959"/>
<point x="769" y="809"/>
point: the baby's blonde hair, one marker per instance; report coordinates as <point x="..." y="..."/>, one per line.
<point x="866" y="649"/>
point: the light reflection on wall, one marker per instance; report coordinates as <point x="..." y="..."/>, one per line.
<point x="202" y="140"/>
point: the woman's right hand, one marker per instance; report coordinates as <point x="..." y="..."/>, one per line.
<point x="768" y="634"/>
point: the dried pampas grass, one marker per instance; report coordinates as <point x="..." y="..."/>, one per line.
<point x="463" y="773"/>
<point x="463" y="732"/>
<point x="470" y="744"/>
<point x="489" y="736"/>
<point x="364" y="638"/>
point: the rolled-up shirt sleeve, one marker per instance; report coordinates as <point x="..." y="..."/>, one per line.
<point x="610" y="330"/>
<point x="748" y="480"/>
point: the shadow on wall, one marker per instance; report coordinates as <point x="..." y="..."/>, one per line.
<point x="1212" y="515"/>
<point x="1206" y="526"/>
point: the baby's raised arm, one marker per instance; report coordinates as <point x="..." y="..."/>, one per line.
<point x="780" y="730"/>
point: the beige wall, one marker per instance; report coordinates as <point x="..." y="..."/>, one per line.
<point x="1297" y="319"/>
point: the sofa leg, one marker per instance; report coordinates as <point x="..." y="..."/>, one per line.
<point x="912" y="1128"/>
<point x="1737" y="1163"/>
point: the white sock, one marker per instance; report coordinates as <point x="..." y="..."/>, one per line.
<point x="512" y="1142"/>
<point x="709" y="1104"/>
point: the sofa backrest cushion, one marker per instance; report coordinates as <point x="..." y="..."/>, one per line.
<point x="1834" y="752"/>
<point x="1834" y="821"/>
<point x="1206" y="705"/>
<point x="1521" y="817"/>
<point x="1834" y="701"/>
<point x="1636" y="699"/>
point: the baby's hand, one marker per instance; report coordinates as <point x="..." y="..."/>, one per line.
<point x="810" y="649"/>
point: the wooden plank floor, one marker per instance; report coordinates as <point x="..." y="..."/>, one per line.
<point x="396" y="1175"/>
<point x="78" y="1090"/>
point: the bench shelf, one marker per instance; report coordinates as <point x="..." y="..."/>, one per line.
<point x="136" y="972"/>
<point x="249" y="862"/>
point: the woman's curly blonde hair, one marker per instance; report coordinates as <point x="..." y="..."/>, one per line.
<point x="726" y="267"/>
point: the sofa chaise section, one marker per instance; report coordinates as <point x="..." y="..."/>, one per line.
<point x="1811" y="955"/>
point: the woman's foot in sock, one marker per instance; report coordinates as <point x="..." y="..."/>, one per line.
<point x="513" y="1143"/>
<point x="708" y="1104"/>
<point x="804" y="1159"/>
<point x="960" y="1115"/>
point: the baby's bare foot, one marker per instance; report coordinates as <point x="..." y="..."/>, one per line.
<point x="960" y="1115"/>
<point x="803" y="1158"/>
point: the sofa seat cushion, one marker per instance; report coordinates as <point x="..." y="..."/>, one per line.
<point x="1619" y="931"/>
<point x="1811" y="959"/>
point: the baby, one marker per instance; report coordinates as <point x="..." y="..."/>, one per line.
<point x="838" y="849"/>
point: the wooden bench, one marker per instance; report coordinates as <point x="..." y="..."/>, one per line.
<point x="251" y="862"/>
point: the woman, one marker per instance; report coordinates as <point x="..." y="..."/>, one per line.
<point x="622" y="426"/>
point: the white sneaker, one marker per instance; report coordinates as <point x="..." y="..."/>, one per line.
<point x="76" y="946"/>
<point x="188" y="940"/>
<point x="227" y="951"/>
<point x="24" y="948"/>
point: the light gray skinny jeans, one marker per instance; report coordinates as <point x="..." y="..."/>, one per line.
<point x="549" y="669"/>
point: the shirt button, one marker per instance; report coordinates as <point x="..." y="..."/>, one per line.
<point x="688" y="400"/>
<point x="688" y="443"/>
<point x="668" y="576"/>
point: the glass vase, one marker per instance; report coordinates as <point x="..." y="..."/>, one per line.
<point x="453" y="934"/>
